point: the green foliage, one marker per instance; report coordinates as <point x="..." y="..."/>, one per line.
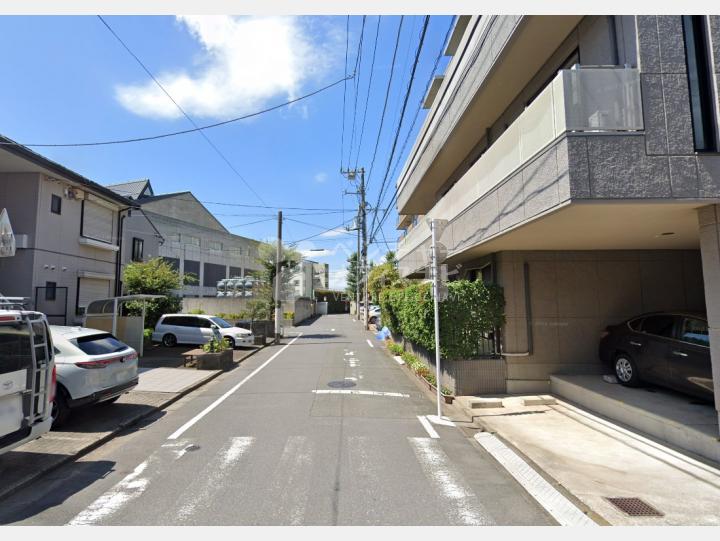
<point x="395" y="349"/>
<point x="288" y="315"/>
<point x="197" y="311"/>
<point x="472" y="309"/>
<point x="382" y="277"/>
<point x="215" y="346"/>
<point x="258" y="309"/>
<point x="265" y="291"/>
<point x="419" y="367"/>
<point x="351" y="278"/>
<point x="153" y="277"/>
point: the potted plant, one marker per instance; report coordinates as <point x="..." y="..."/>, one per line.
<point x="217" y="356"/>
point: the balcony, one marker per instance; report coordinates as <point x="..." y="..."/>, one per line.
<point x="592" y="100"/>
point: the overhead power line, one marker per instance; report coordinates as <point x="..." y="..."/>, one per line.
<point x="182" y="132"/>
<point x="342" y="136"/>
<point x="202" y="134"/>
<point x="356" y="86"/>
<point x="367" y="96"/>
<point x="384" y="183"/>
<point x="387" y="95"/>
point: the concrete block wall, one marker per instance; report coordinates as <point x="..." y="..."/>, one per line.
<point x="574" y="295"/>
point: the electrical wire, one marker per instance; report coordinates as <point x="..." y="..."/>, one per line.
<point x="356" y="85"/>
<point x="384" y="183"/>
<point x="387" y="95"/>
<point x="181" y="132"/>
<point x="342" y="137"/>
<point x="202" y="134"/>
<point x="367" y="96"/>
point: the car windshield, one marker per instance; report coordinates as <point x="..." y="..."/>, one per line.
<point x="100" y="344"/>
<point x="220" y="322"/>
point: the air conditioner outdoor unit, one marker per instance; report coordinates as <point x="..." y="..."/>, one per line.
<point x="73" y="193"/>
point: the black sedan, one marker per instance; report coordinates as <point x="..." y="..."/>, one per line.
<point x="671" y="349"/>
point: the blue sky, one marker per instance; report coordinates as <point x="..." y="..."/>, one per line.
<point x="68" y="79"/>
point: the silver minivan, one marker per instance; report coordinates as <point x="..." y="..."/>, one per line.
<point x="173" y="329"/>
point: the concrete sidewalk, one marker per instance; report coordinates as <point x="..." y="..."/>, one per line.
<point x="594" y="459"/>
<point x="92" y="426"/>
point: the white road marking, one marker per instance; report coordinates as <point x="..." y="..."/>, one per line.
<point x="175" y="435"/>
<point x="562" y="509"/>
<point x="349" y="353"/>
<point x="398" y="359"/>
<point x="366" y="393"/>
<point x="350" y="378"/>
<point x="132" y="486"/>
<point x="428" y="427"/>
<point x="461" y="504"/>
<point x="440" y="420"/>
<point x="291" y="481"/>
<point x="332" y="330"/>
<point x="369" y="343"/>
<point x="215" y="476"/>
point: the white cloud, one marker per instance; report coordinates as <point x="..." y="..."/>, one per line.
<point x="244" y="63"/>
<point x="338" y="279"/>
<point x="321" y="177"/>
<point x="338" y="231"/>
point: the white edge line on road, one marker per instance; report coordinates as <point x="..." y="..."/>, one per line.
<point x="369" y="343"/>
<point x="561" y="509"/>
<point x="352" y="391"/>
<point x="434" y="419"/>
<point x="175" y="435"/>
<point x="398" y="359"/>
<point x="428" y="427"/>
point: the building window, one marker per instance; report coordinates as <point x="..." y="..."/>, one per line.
<point x="55" y="204"/>
<point x="214" y="245"/>
<point x="189" y="239"/>
<point x="50" y="291"/>
<point x="702" y="109"/>
<point x="137" y="249"/>
<point x="213" y="274"/>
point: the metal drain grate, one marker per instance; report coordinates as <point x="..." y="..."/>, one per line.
<point x="342" y="384"/>
<point x="635" y="507"/>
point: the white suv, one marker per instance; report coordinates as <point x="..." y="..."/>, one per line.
<point x="92" y="366"/>
<point x="173" y="329"/>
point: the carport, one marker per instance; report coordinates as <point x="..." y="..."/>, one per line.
<point x="105" y="314"/>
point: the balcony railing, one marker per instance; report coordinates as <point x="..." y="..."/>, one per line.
<point x="576" y="100"/>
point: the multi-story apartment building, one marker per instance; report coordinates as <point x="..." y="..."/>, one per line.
<point x="302" y="279"/>
<point x="576" y="160"/>
<point x="194" y="241"/>
<point x="321" y="275"/>
<point x="67" y="232"/>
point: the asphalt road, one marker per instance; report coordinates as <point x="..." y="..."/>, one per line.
<point x="322" y="430"/>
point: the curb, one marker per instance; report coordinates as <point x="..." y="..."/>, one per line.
<point x="9" y="491"/>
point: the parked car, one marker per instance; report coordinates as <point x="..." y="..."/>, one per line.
<point x="27" y="376"/>
<point x="374" y="315"/>
<point x="670" y="349"/>
<point x="173" y="329"/>
<point x="92" y="366"/>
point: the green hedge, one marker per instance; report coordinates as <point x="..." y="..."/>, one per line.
<point x="472" y="309"/>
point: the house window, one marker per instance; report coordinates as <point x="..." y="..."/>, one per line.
<point x="137" y="249"/>
<point x="215" y="245"/>
<point x="97" y="221"/>
<point x="50" y="291"/>
<point x="55" y="204"/>
<point x="702" y="109"/>
<point x="189" y="239"/>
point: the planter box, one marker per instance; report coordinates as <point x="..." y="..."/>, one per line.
<point x="215" y="361"/>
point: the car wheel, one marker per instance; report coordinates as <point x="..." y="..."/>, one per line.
<point x="626" y="370"/>
<point x="60" y="409"/>
<point x="373" y="320"/>
<point x="113" y="399"/>
<point x="169" y="341"/>
<point x="230" y="342"/>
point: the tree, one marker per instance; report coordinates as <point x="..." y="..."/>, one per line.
<point x="391" y="257"/>
<point x="153" y="277"/>
<point x="267" y="257"/>
<point x="381" y="277"/>
<point x="351" y="278"/>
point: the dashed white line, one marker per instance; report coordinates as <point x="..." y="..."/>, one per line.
<point x="365" y="393"/>
<point x="175" y="435"/>
<point x="398" y="359"/>
<point x="562" y="509"/>
<point x="428" y="427"/>
<point x="460" y="502"/>
<point x="369" y="343"/>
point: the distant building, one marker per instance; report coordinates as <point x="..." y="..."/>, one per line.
<point x="195" y="242"/>
<point x="321" y="275"/>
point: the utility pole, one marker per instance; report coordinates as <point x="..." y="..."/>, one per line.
<point x="438" y="252"/>
<point x="362" y="252"/>
<point x="357" y="269"/>
<point x="278" y="270"/>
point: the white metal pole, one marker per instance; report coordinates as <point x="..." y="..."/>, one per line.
<point x="114" y="319"/>
<point x="278" y="272"/>
<point x="435" y="269"/>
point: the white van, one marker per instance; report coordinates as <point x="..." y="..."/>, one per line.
<point x="27" y="377"/>
<point x="173" y="329"/>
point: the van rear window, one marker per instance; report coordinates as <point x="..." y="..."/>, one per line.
<point x="100" y="344"/>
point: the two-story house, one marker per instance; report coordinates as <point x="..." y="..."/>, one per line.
<point x="577" y="162"/>
<point x="67" y="231"/>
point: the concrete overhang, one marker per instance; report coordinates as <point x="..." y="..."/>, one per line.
<point x="531" y="44"/>
<point x="628" y="225"/>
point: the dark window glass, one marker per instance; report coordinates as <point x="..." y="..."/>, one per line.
<point x="635" y="324"/>
<point x="660" y="325"/>
<point x="700" y="83"/>
<point x="203" y="323"/>
<point x="192" y="267"/>
<point x="55" y="204"/>
<point x="235" y="272"/>
<point x="486" y="274"/>
<point x="137" y="249"/>
<point x="100" y="344"/>
<point x="175" y="320"/>
<point x="220" y="322"/>
<point x="174" y="262"/>
<point x="695" y="331"/>
<point x="213" y="274"/>
<point x="50" y="291"/>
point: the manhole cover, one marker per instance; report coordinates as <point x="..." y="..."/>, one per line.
<point x="192" y="447"/>
<point x="342" y="384"/>
<point x="635" y="507"/>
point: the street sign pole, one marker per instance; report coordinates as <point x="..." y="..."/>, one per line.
<point x="435" y="264"/>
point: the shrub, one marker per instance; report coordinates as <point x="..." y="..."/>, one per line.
<point x="198" y="311"/>
<point x="472" y="309"/>
<point x="288" y="315"/>
<point x="395" y="349"/>
<point x="215" y="346"/>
